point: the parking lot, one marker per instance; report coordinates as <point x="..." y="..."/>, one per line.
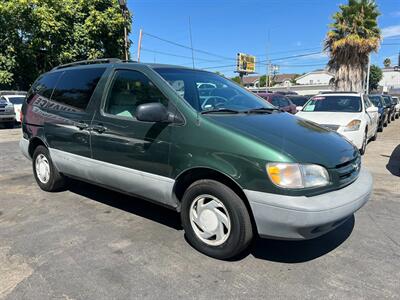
<point x="90" y="243"/>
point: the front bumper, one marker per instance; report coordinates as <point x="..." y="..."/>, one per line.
<point x="301" y="217"/>
<point x="7" y="118"/>
<point x="356" y="137"/>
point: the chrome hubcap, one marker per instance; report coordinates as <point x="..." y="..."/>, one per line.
<point x="210" y="220"/>
<point x="42" y="168"/>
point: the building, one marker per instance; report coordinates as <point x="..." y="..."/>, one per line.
<point x="283" y="79"/>
<point x="317" y="77"/>
<point x="390" y="78"/>
<point x="251" y="81"/>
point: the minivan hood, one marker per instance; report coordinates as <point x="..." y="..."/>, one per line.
<point x="302" y="140"/>
<point x="334" y="118"/>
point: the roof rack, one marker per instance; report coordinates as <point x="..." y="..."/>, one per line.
<point x="340" y="92"/>
<point x="89" y="62"/>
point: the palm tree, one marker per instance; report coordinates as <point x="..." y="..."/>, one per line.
<point x="353" y="35"/>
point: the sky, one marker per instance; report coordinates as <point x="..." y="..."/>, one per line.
<point x="273" y="29"/>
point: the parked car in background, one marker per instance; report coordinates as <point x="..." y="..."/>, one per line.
<point x="7" y="112"/>
<point x="350" y="114"/>
<point x="280" y="101"/>
<point x="234" y="168"/>
<point x="391" y="106"/>
<point x="17" y="99"/>
<point x="298" y="100"/>
<point x="397" y="106"/>
<point x="383" y="111"/>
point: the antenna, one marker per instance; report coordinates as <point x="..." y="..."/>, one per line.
<point x="191" y="40"/>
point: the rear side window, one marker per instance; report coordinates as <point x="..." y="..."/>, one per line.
<point x="75" y="87"/>
<point x="44" y="86"/>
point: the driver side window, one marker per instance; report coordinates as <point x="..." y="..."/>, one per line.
<point x="129" y="89"/>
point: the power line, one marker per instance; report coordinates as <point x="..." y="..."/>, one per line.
<point x="187" y="47"/>
<point x="176" y="55"/>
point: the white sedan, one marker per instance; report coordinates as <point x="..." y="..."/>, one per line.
<point x="17" y="101"/>
<point x="350" y="114"/>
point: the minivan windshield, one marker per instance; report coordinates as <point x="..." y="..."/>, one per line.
<point x="208" y="92"/>
<point x="334" y="104"/>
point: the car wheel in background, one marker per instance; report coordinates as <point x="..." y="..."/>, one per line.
<point x="9" y="125"/>
<point x="46" y="175"/>
<point x="375" y="135"/>
<point x="215" y="219"/>
<point x="364" y="144"/>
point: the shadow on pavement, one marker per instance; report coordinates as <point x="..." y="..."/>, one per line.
<point x="302" y="251"/>
<point x="127" y="203"/>
<point x="393" y="165"/>
<point x="272" y="250"/>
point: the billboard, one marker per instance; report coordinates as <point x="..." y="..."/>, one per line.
<point x="245" y="63"/>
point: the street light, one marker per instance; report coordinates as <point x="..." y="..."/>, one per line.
<point x="125" y="13"/>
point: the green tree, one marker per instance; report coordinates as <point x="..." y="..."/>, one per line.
<point x="37" y="35"/>
<point x="263" y="80"/>
<point x="236" y="79"/>
<point x="375" y="75"/>
<point x="354" y="34"/>
<point x="387" y="62"/>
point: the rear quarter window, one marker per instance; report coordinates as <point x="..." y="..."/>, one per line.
<point x="75" y="87"/>
<point x="44" y="86"/>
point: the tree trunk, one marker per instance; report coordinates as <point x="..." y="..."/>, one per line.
<point x="350" y="78"/>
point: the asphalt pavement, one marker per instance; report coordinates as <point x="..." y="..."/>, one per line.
<point x="91" y="243"/>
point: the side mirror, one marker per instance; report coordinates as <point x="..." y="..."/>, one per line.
<point x="152" y="112"/>
<point x="372" y="109"/>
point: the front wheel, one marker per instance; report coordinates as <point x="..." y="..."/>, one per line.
<point x="364" y="144"/>
<point x="215" y="219"/>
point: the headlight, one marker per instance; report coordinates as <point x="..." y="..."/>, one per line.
<point x="297" y="176"/>
<point x="353" y="125"/>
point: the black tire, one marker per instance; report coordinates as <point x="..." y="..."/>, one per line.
<point x="9" y="125"/>
<point x="56" y="181"/>
<point x="241" y="231"/>
<point x="364" y="144"/>
<point x="375" y="135"/>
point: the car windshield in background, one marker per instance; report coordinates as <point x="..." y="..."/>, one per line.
<point x="376" y="100"/>
<point x="298" y="101"/>
<point x="387" y="99"/>
<point x="206" y="91"/>
<point x="16" y="100"/>
<point x="333" y="104"/>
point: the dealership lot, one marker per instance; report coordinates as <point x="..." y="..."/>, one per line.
<point x="90" y="243"/>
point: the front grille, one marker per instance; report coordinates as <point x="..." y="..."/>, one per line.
<point x="331" y="126"/>
<point x="348" y="171"/>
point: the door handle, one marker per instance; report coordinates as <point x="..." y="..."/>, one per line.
<point x="99" y="128"/>
<point x="81" y="125"/>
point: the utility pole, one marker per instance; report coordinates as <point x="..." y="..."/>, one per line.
<point x="368" y="71"/>
<point x="267" y="66"/>
<point x="191" y="41"/>
<point x="125" y="14"/>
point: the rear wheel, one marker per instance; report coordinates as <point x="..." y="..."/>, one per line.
<point x="46" y="175"/>
<point x="215" y="219"/>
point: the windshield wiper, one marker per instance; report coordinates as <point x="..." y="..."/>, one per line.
<point x="220" y="110"/>
<point x="262" y="110"/>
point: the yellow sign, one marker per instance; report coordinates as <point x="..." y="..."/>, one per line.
<point x="246" y="63"/>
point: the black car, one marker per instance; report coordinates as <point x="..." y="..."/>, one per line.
<point x="389" y="103"/>
<point x="383" y="110"/>
<point x="298" y="100"/>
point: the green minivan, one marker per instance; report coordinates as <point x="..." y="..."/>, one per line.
<point x="230" y="163"/>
